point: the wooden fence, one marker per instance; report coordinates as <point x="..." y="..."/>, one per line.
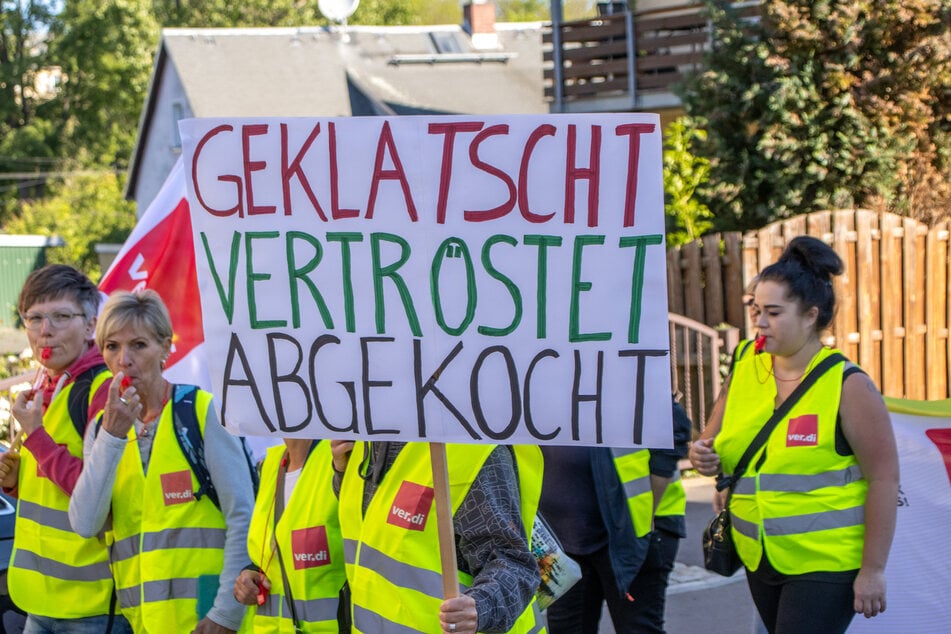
<point x="893" y="311"/>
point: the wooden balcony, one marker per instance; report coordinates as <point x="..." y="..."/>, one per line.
<point x="627" y="60"/>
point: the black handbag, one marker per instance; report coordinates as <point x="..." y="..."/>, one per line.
<point x="719" y="551"/>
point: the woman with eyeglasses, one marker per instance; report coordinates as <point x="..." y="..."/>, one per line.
<point x="59" y="578"/>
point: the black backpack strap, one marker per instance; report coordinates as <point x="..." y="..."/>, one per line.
<point x="778" y="415"/>
<point x="190" y="440"/>
<point x="77" y="403"/>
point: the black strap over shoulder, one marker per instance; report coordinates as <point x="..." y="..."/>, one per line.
<point x="188" y="434"/>
<point x="77" y="403"/>
<point x="192" y="443"/>
<point x="778" y="415"/>
<point x="278" y="512"/>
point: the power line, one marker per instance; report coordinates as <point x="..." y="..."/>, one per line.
<point x="11" y="176"/>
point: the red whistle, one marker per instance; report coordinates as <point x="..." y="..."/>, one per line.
<point x="262" y="592"/>
<point x="46" y="353"/>
<point x="125" y="383"/>
<point x="760" y="344"/>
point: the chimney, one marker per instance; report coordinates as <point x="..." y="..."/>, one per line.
<point x="478" y="20"/>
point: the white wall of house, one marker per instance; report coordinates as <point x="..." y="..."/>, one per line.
<point x="162" y="143"/>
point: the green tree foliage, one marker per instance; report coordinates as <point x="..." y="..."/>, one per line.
<point x="684" y="173"/>
<point x="826" y="104"/>
<point x="21" y="52"/>
<point x="421" y="12"/>
<point x="105" y="50"/>
<point x="226" y="13"/>
<point x="25" y="138"/>
<point x="83" y="211"/>
<point x="524" y="10"/>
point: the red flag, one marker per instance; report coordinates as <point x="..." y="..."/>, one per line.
<point x="159" y="254"/>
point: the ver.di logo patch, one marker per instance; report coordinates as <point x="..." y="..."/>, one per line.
<point x="803" y="431"/>
<point x="177" y="487"/>
<point x="310" y="548"/>
<point x="410" y="508"/>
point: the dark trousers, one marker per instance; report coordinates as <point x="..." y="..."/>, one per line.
<point x="579" y="610"/>
<point x="649" y="588"/>
<point x="794" y="604"/>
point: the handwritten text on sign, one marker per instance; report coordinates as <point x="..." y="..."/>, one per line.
<point x="454" y="279"/>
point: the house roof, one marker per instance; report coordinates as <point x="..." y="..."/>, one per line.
<point x="328" y="72"/>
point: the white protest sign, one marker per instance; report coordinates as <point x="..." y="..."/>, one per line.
<point x="450" y="279"/>
<point x="919" y="564"/>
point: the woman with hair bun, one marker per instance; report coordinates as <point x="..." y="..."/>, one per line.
<point x="813" y="514"/>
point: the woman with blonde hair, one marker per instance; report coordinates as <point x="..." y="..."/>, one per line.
<point x="176" y="550"/>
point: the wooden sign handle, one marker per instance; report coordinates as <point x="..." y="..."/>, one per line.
<point x="447" y="537"/>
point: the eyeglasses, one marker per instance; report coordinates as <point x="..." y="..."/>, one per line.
<point x="58" y="319"/>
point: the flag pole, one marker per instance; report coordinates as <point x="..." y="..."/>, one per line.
<point x="447" y="537"/>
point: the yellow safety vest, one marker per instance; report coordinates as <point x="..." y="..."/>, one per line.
<point x="169" y="547"/>
<point x="53" y="571"/>
<point x="633" y="468"/>
<point x="308" y="535"/>
<point x="392" y="553"/>
<point x="674" y="499"/>
<point x="805" y="504"/>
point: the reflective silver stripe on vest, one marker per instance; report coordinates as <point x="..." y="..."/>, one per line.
<point x="124" y="549"/>
<point x="213" y="538"/>
<point x="168" y="589"/>
<point x="746" y="486"/>
<point x="308" y="611"/>
<point x="350" y="551"/>
<point x="401" y="574"/>
<point x="805" y="483"/>
<point x="315" y="610"/>
<point x="129" y="597"/>
<point x="271" y="605"/>
<point x="53" y="518"/>
<point x="26" y="560"/>
<point x="637" y="486"/>
<point x="618" y="452"/>
<point x="366" y="621"/>
<point x="812" y="522"/>
<point x="743" y="527"/>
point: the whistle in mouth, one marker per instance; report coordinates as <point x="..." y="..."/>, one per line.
<point x="760" y="345"/>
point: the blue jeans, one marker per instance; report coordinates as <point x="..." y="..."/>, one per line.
<point x="88" y="625"/>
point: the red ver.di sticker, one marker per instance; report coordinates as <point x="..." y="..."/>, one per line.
<point x="177" y="487"/>
<point x="803" y="431"/>
<point x="310" y="547"/>
<point x="411" y="506"/>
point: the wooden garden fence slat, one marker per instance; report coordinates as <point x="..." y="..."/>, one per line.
<point x="868" y="280"/>
<point x="893" y="306"/>
<point x="846" y="330"/>
<point x="936" y="350"/>
<point x="713" y="280"/>
<point x="893" y="313"/>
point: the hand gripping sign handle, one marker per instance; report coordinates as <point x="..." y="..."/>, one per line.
<point x="447" y="538"/>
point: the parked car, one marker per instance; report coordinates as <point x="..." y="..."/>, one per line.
<point x="12" y="618"/>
